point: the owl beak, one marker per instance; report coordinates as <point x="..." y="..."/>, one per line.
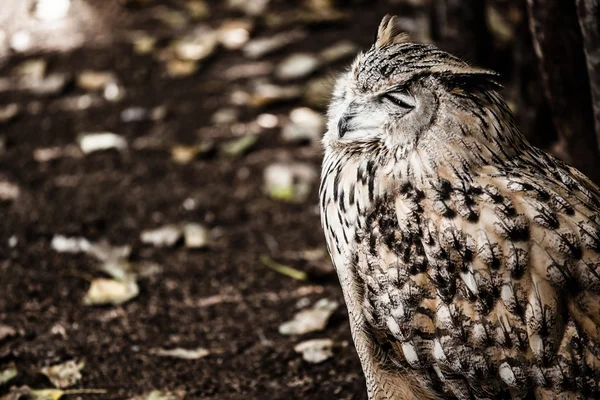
<point x="343" y="124"/>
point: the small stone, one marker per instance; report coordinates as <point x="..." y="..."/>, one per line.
<point x="161" y="395"/>
<point x="289" y="182"/>
<point x="92" y="142"/>
<point x="267" y="121"/>
<point x="31" y="70"/>
<point x="198" y="9"/>
<point x="196" y="236"/>
<point x="50" y="85"/>
<point x="143" y="43"/>
<point x="297" y="66"/>
<point x="305" y="125"/>
<point x="63" y="244"/>
<point x="339" y="51"/>
<point x="8" y="112"/>
<point x="64" y="375"/>
<point x="197" y="47"/>
<point x="113" y="92"/>
<point x="134" y="114"/>
<point x="20" y="41"/>
<point x="172" y="18"/>
<point x="95" y="80"/>
<point x="47" y="154"/>
<point x="183" y="154"/>
<point x="225" y="116"/>
<point x="13" y="241"/>
<point x="266" y="94"/>
<point x="249" y="70"/>
<point x="111" y="291"/>
<point x="238" y="147"/>
<point x="9" y="191"/>
<point x="233" y="35"/>
<point x="7" y="332"/>
<point x="186" y="354"/>
<point x="51" y="10"/>
<point x="165" y="236"/>
<point x="260" y="47"/>
<point x="181" y="68"/>
<point x="311" y="320"/>
<point x="315" y="351"/>
<point x="249" y="7"/>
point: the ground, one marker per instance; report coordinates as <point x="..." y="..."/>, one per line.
<point x="221" y="298"/>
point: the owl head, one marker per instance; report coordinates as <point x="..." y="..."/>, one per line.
<point x="404" y="97"/>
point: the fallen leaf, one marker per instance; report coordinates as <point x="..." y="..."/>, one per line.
<point x="311" y="320"/>
<point x="186" y="354"/>
<point x="25" y="392"/>
<point x="65" y="374"/>
<point x="110" y="291"/>
<point x="315" y="351"/>
<point x="238" y="147"/>
<point x="161" y="395"/>
<point x="8" y="373"/>
<point x="284" y="269"/>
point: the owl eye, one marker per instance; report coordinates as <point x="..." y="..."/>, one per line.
<point x="399" y="99"/>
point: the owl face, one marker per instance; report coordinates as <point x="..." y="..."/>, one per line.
<point x="403" y="97"/>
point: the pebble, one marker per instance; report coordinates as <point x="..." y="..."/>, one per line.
<point x="315" y="351"/>
<point x="9" y="191"/>
<point x="181" y="68"/>
<point x="197" y="46"/>
<point x="260" y="47"/>
<point x="304" y="125"/>
<point x="225" y="116"/>
<point x="233" y="35"/>
<point x="249" y="7"/>
<point x="8" y="112"/>
<point x="297" y="66"/>
<point x="92" y="142"/>
<point x="196" y="236"/>
<point x="266" y="94"/>
<point x="95" y="80"/>
<point x="165" y="236"/>
<point x="339" y="51"/>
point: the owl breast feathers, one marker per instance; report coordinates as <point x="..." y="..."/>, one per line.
<point x="469" y="259"/>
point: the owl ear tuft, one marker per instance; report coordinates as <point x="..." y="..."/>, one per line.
<point x="389" y="32"/>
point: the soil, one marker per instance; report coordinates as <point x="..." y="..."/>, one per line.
<point x="221" y="298"/>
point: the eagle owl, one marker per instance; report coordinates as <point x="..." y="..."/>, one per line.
<point x="469" y="259"/>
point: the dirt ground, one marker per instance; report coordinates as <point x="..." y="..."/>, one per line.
<point x="222" y="298"/>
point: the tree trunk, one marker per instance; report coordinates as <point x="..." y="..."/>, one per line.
<point x="559" y="48"/>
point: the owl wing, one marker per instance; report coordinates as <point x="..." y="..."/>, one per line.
<point x="489" y="286"/>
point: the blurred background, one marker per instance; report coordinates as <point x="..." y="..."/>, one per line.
<point x="159" y="162"/>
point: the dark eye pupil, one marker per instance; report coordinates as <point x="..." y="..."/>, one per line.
<point x="396" y="100"/>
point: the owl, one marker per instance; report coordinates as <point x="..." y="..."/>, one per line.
<point x="469" y="259"/>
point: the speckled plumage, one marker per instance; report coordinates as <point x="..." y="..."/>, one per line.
<point x="469" y="259"/>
